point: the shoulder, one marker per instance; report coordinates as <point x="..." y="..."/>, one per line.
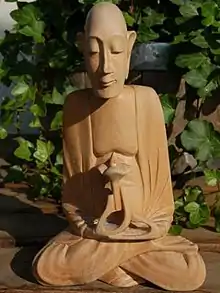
<point x="147" y="96"/>
<point x="146" y="91"/>
<point x="75" y="98"/>
<point x="76" y="107"/>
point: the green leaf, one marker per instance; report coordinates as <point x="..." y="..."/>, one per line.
<point x="200" y="137"/>
<point x="27" y="15"/>
<point x="15" y="174"/>
<point x="217" y="225"/>
<point x="179" y="203"/>
<point x="217" y="218"/>
<point x="192" y="193"/>
<point x="45" y="178"/>
<point x="20" y="88"/>
<point x="189" y="9"/>
<point x="146" y="34"/>
<point x="208" y="20"/>
<point x="195" y="78"/>
<point x="200" y="41"/>
<point x="191" y="61"/>
<point x="180" y="20"/>
<point x="209" y="9"/>
<point x="57" y="98"/>
<point x="212" y="177"/>
<point x="3" y="133"/>
<point x="59" y="159"/>
<point x="169" y="107"/>
<point x="207" y="90"/>
<point x="23" y="151"/>
<point x="177" y="2"/>
<point x="44" y="150"/>
<point x="57" y="121"/>
<point x="129" y="19"/>
<point x="201" y="216"/>
<point x="175" y="230"/>
<point x="38" y="109"/>
<point x="152" y="18"/>
<point x="191" y="207"/>
<point x="35" y="123"/>
<point x="35" y="31"/>
<point x="55" y="171"/>
<point x="179" y="39"/>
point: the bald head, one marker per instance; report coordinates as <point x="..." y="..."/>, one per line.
<point x="107" y="48"/>
<point x="105" y="16"/>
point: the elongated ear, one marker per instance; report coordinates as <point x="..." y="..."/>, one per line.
<point x="131" y="37"/>
<point x="80" y="41"/>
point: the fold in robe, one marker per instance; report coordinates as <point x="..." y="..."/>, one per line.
<point x="142" y="249"/>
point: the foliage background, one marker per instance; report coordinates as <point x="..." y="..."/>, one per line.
<point x="40" y="55"/>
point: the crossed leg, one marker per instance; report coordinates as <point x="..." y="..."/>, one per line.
<point x="173" y="263"/>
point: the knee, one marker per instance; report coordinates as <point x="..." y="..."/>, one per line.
<point x="195" y="274"/>
<point x="53" y="267"/>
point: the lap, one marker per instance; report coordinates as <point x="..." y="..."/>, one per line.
<point x="72" y="260"/>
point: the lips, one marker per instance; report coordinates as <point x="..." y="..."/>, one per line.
<point x="107" y="83"/>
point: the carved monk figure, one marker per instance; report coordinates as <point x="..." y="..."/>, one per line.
<point x="117" y="193"/>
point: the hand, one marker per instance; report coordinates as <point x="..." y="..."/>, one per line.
<point x="115" y="173"/>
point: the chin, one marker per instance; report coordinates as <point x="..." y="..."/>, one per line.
<point x="109" y="92"/>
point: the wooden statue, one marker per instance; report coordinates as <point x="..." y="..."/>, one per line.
<point x="117" y="192"/>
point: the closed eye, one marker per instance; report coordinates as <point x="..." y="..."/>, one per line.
<point x="116" y="52"/>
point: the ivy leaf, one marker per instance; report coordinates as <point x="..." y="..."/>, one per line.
<point x="57" y="98"/>
<point x="200" y="41"/>
<point x="217" y="225"/>
<point x="146" y="34"/>
<point x="195" y="78"/>
<point x="200" y="137"/>
<point x="212" y="177"/>
<point x="178" y="2"/>
<point x="217" y="218"/>
<point x="129" y="19"/>
<point x="27" y="15"/>
<point x="169" y="107"/>
<point x="179" y="203"/>
<point x="191" y="61"/>
<point x="152" y="18"/>
<point x="45" y="178"/>
<point x="35" y="30"/>
<point x="20" y="88"/>
<point x="23" y="151"/>
<point x="179" y="39"/>
<point x="175" y="230"/>
<point x="192" y="193"/>
<point x="15" y="174"/>
<point x="189" y="9"/>
<point x="44" y="150"/>
<point x="35" y="123"/>
<point x="209" y="9"/>
<point x="55" y="171"/>
<point x="208" y="20"/>
<point x="191" y="207"/>
<point x="59" y="159"/>
<point x="3" y="133"/>
<point x="38" y="110"/>
<point x="199" y="214"/>
<point x="57" y="121"/>
<point x="207" y="90"/>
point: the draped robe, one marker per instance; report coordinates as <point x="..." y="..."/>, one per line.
<point x="131" y="129"/>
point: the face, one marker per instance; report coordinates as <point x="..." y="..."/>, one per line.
<point x="107" y="61"/>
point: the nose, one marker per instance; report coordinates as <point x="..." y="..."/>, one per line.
<point x="107" y="66"/>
